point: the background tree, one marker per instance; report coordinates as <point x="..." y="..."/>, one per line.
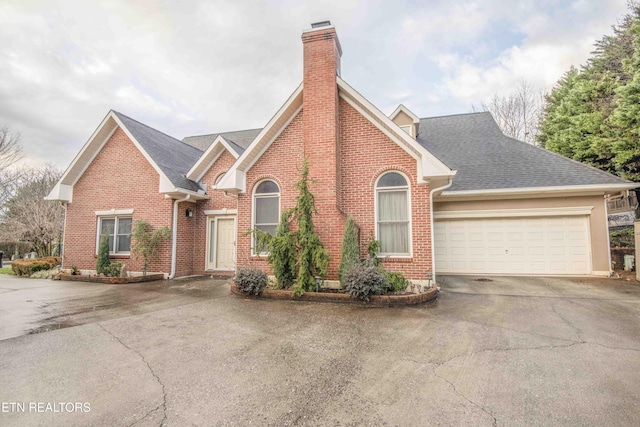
<point x="28" y="217"/>
<point x="591" y="115"/>
<point x="10" y="153"/>
<point x="518" y="114"/>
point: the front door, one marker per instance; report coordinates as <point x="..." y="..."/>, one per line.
<point x="221" y="253"/>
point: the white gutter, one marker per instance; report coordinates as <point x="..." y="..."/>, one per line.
<point x="433" y="250"/>
<point x="174" y="232"/>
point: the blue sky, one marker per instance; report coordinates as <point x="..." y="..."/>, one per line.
<point x="196" y="67"/>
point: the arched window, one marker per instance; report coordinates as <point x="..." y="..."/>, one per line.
<point x="266" y="206"/>
<point x="393" y="214"/>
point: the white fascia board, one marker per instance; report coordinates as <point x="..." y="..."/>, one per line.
<point x="89" y="151"/>
<point x="431" y="166"/>
<point x="234" y="180"/>
<point x="209" y="157"/>
<point x="179" y="193"/>
<point x="61" y="193"/>
<point x="593" y="189"/>
<point x="402" y="108"/>
<point x="513" y="213"/>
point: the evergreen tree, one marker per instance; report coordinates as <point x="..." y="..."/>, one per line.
<point x="350" y="249"/>
<point x="313" y="258"/>
<point x="103" y="254"/>
<point x="587" y="117"/>
<point x="282" y="255"/>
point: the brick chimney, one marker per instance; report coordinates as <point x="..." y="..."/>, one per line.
<point x="321" y="132"/>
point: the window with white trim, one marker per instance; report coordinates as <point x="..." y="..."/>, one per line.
<point x="118" y="228"/>
<point x="393" y="214"/>
<point x="266" y="207"/>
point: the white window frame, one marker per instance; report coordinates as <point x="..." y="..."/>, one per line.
<point x="116" y="218"/>
<point x="407" y="188"/>
<point x="253" y="210"/>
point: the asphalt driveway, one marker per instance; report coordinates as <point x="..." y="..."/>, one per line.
<point x="494" y="351"/>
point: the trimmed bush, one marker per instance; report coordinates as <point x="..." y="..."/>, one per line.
<point x="365" y="280"/>
<point x="397" y="281"/>
<point x="350" y="256"/>
<point x="26" y="267"/>
<point x="112" y="270"/>
<point x="251" y="280"/>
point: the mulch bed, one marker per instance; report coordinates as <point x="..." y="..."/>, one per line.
<point x="376" y="300"/>
<point x="110" y="280"/>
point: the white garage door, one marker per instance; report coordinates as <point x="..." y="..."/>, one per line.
<point x="549" y="245"/>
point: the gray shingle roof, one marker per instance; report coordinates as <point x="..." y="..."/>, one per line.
<point x="172" y="156"/>
<point x="238" y="140"/>
<point x="486" y="159"/>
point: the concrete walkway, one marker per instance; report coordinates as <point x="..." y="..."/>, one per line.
<point x="510" y="351"/>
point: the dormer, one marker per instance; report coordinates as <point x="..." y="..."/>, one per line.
<point x="407" y="121"/>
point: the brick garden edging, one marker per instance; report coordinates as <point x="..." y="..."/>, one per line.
<point x="376" y="300"/>
<point x="111" y="280"/>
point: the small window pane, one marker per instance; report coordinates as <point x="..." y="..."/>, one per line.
<point x="111" y="240"/>
<point x="124" y="225"/>
<point x="392" y="206"/>
<point x="107" y="226"/>
<point x="392" y="179"/>
<point x="267" y="210"/>
<point x="124" y="243"/>
<point x="267" y="187"/>
<point x="271" y="229"/>
<point x="394" y="238"/>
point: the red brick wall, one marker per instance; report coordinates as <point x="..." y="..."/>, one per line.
<point x="118" y="178"/>
<point x="280" y="163"/>
<point x="366" y="153"/>
<point x="217" y="200"/>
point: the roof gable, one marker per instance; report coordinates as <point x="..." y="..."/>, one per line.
<point x="429" y="167"/>
<point x="215" y="150"/>
<point x="169" y="157"/>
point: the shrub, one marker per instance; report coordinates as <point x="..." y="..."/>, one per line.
<point x="397" y="281"/>
<point x="622" y="238"/>
<point x="146" y="242"/>
<point x="283" y="251"/>
<point x="251" y="280"/>
<point x="112" y="270"/>
<point x="365" y="280"/>
<point x="103" y="254"/>
<point x="350" y="256"/>
<point x="26" y="267"/>
<point x="74" y="270"/>
<point x="373" y="249"/>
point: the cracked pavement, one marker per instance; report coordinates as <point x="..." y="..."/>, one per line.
<point x="512" y="351"/>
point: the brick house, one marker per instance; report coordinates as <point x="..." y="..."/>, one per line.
<point x="452" y="192"/>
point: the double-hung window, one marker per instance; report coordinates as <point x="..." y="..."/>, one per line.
<point x="118" y="229"/>
<point x="266" y="208"/>
<point x="393" y="215"/>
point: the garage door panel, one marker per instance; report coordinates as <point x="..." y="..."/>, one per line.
<point x="539" y="245"/>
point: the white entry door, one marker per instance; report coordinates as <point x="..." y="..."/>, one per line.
<point x="521" y="246"/>
<point x="221" y="251"/>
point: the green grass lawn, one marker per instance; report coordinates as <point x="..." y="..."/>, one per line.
<point x="6" y="270"/>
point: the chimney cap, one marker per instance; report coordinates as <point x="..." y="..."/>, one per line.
<point x="321" y="24"/>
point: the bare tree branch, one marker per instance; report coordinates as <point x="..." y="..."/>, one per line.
<point x="519" y="113"/>
<point x="10" y="153"/>
<point x="28" y="217"/>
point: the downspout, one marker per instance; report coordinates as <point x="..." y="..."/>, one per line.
<point x="433" y="252"/>
<point x="174" y="237"/>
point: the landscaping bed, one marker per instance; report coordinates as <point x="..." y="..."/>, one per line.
<point x="338" y="297"/>
<point x="110" y="280"/>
